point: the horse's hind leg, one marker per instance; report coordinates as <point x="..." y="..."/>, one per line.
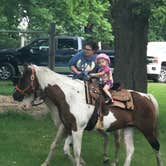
<point x="117" y="141"/>
<point x="128" y="140"/>
<point x="156" y="147"/>
<point x="157" y="154"/>
<point x="58" y="137"/>
<point x="105" y="145"/>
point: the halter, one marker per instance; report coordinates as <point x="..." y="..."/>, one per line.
<point x="31" y="86"/>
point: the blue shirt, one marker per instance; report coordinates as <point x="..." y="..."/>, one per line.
<point x="83" y="63"/>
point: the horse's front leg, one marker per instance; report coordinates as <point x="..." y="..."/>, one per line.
<point x="77" y="143"/>
<point x="66" y="148"/>
<point x="60" y="134"/>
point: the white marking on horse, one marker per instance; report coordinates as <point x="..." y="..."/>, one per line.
<point x="76" y="101"/>
<point x="140" y="93"/>
<point x="108" y="120"/>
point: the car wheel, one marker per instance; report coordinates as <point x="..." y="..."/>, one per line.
<point x="162" y="76"/>
<point x="7" y="71"/>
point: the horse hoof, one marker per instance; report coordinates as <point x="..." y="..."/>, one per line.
<point x="113" y="164"/>
<point x="106" y="160"/>
<point x="44" y="164"/>
<point x="82" y="163"/>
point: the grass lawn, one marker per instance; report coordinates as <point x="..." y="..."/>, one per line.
<point x="25" y="141"/>
<point x="6" y="88"/>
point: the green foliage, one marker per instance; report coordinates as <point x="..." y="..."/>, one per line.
<point x="157" y="23"/>
<point x="88" y="18"/>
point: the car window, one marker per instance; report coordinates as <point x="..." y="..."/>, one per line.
<point x="41" y="45"/>
<point x="67" y="44"/>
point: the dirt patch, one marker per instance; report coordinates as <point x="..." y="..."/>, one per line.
<point x="8" y="104"/>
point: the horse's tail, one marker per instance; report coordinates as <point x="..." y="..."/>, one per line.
<point x="156" y="106"/>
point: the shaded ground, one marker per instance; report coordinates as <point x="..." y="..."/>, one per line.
<point x="8" y="104"/>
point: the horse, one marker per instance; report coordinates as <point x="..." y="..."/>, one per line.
<point x="72" y="93"/>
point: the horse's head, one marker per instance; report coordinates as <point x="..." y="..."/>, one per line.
<point x="27" y="84"/>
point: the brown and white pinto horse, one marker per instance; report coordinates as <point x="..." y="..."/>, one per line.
<point x="66" y="100"/>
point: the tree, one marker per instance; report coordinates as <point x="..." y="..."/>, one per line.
<point x="130" y="27"/>
<point x="87" y="18"/>
<point x="157" y="22"/>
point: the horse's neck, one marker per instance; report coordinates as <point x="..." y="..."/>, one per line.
<point x="46" y="77"/>
<point x="74" y="92"/>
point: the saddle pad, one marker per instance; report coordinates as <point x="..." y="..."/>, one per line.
<point x="123" y="96"/>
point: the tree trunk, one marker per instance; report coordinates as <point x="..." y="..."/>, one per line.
<point x="130" y="27"/>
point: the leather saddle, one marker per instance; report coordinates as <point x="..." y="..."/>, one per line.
<point x="122" y="97"/>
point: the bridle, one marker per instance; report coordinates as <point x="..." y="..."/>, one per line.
<point x="32" y="86"/>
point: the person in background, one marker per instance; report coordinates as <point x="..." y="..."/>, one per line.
<point x="84" y="62"/>
<point x="105" y="74"/>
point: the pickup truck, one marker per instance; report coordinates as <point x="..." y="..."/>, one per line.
<point x="156" y="61"/>
<point x="12" y="60"/>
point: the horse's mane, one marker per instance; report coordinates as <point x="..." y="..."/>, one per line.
<point x="47" y="75"/>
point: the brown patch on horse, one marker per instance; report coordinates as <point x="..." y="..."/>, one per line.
<point x="144" y="108"/>
<point x="57" y="96"/>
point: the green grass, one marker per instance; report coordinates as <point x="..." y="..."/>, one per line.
<point x="25" y="141"/>
<point x="6" y="87"/>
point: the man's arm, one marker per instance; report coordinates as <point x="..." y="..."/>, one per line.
<point x="74" y="70"/>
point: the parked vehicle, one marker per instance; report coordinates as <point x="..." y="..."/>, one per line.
<point x="156" y="61"/>
<point x="12" y="60"/>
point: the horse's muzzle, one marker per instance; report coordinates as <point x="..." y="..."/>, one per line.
<point x="17" y="96"/>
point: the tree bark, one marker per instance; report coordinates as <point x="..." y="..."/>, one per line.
<point x="130" y="25"/>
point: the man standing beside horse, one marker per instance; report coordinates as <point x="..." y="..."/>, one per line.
<point x="83" y="62"/>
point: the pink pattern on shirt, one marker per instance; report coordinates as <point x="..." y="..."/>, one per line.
<point x="106" y="69"/>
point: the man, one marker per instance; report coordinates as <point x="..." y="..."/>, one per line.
<point x="83" y="62"/>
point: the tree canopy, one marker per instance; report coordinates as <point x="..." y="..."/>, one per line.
<point x="87" y="18"/>
<point x="157" y="22"/>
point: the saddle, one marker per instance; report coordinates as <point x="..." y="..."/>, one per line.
<point x="122" y="97"/>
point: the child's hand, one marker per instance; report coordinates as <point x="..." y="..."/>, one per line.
<point x="92" y="74"/>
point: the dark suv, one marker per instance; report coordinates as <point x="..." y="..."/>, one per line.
<point x="12" y="60"/>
